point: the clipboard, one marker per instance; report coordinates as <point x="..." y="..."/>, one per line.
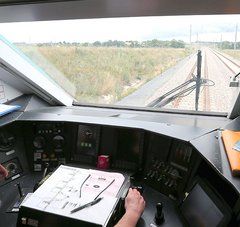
<point x="68" y="188"/>
<point x="231" y="140"/>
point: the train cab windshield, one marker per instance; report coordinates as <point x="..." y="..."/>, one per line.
<point x="104" y="100"/>
<point x="173" y="62"/>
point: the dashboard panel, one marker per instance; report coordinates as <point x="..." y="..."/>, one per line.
<point x="45" y="143"/>
<point x="169" y="165"/>
<point x="87" y="144"/>
<point x="59" y="143"/>
<point x="12" y="154"/>
<point x="164" y="165"/>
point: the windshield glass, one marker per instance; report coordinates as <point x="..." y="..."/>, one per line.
<point x="174" y="62"/>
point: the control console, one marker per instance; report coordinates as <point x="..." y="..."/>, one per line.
<point x="169" y="174"/>
<point x="11" y="156"/>
<point x="47" y="146"/>
<point x="164" y="177"/>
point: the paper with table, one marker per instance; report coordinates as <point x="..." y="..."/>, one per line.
<point x="69" y="187"/>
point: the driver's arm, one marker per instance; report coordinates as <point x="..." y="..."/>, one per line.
<point x="134" y="205"/>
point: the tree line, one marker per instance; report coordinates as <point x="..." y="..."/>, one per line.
<point x="116" y="43"/>
<point x="149" y="43"/>
<point x="136" y="44"/>
<point x="228" y="45"/>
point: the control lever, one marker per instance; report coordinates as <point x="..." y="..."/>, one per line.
<point x="121" y="205"/>
<point x="20" y="190"/>
<point x="44" y="177"/>
<point x="139" y="188"/>
<point x="159" y="216"/>
<point x="15" y="206"/>
<point x="45" y="170"/>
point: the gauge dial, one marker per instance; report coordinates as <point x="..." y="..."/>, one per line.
<point x="7" y="141"/>
<point x="58" y="141"/>
<point x="39" y="142"/>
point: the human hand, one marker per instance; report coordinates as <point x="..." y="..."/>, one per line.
<point x="134" y="203"/>
<point x="3" y="172"/>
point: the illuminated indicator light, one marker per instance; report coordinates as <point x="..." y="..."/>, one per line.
<point x="24" y="221"/>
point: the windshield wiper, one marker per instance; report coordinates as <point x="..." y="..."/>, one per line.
<point x="184" y="89"/>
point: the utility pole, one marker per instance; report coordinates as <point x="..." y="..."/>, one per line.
<point x="190" y="34"/>
<point x="198" y="78"/>
<point x="235" y="43"/>
<point x="221" y="42"/>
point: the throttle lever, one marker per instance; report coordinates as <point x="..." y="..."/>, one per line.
<point x="139" y="188"/>
<point x="44" y="177"/>
<point x="45" y="170"/>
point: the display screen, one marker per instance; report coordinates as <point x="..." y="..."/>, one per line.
<point x="199" y="209"/>
<point x="129" y="145"/>
<point x="181" y="154"/>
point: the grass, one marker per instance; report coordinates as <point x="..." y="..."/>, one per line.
<point x="233" y="53"/>
<point x="102" y="74"/>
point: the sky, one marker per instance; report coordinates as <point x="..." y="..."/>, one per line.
<point x="204" y="28"/>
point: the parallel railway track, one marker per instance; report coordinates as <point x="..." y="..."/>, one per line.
<point x="206" y="96"/>
<point x="221" y="57"/>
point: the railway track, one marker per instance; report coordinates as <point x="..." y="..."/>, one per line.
<point x="224" y="59"/>
<point x="211" y="98"/>
<point x="206" y="97"/>
<point x="216" y="70"/>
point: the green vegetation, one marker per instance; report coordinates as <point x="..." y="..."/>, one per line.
<point x="132" y="44"/>
<point x="228" y="45"/>
<point x="103" y="74"/>
<point x="234" y="53"/>
<point x="147" y="44"/>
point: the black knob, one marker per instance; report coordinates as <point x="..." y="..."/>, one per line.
<point x="159" y="209"/>
<point x="58" y="142"/>
<point x="7" y="141"/>
<point x="159" y="216"/>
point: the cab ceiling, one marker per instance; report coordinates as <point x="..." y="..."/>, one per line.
<point x="25" y="10"/>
